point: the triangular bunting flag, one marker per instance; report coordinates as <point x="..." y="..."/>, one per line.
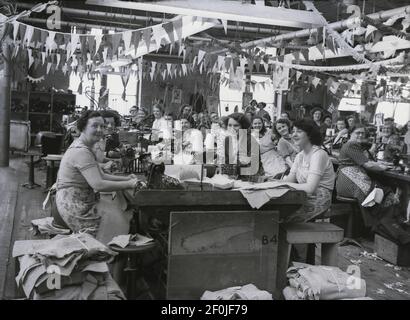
<point x="298" y="74"/>
<point x="127" y="36"/>
<point x="169" y="29"/>
<point x="28" y="35"/>
<point x="58" y="59"/>
<point x="157" y="34"/>
<point x="305" y="54"/>
<point x="315" y="81"/>
<point x="169" y="68"/>
<point x="16" y="26"/>
<point x="30" y="57"/>
<point x="147" y="38"/>
<point x="98" y="40"/>
<point x="266" y="66"/>
<point x="221" y="61"/>
<point x="115" y="42"/>
<point x="177" y="25"/>
<point x="48" y="67"/>
<point x="225" y="25"/>
<point x="201" y="55"/>
<point x="184" y="69"/>
<point x="136" y="39"/>
<point x="43" y="57"/>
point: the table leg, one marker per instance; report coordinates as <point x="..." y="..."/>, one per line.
<point x="283" y="263"/>
<point x="31" y="184"/>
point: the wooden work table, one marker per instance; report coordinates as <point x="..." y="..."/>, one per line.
<point x="212" y="240"/>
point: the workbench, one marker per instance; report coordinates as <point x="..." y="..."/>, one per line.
<point x="212" y="240"/>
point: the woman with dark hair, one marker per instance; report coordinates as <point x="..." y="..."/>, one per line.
<point x="234" y="157"/>
<point x="80" y="175"/>
<point x="354" y="159"/>
<point x="342" y="133"/>
<point x="312" y="172"/>
<point x="286" y="146"/>
<point x="186" y="111"/>
<point x="272" y="163"/>
<point x="317" y="115"/>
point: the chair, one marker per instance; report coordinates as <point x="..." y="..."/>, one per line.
<point x="351" y="220"/>
<point x="327" y="234"/>
<point x="131" y="257"/>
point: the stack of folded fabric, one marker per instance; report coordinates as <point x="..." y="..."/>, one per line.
<point x="247" y="292"/>
<point x="48" y="227"/>
<point x="65" y="267"/>
<point x="309" y="282"/>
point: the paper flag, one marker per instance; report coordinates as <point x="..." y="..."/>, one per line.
<point x="16" y="25"/>
<point x="305" y="54"/>
<point x="157" y="34"/>
<point x="98" y="39"/>
<point x="75" y="37"/>
<point x="266" y="66"/>
<point x="127" y="36"/>
<point x="115" y="42"/>
<point x="136" y="39"/>
<point x="58" y="59"/>
<point x="201" y="55"/>
<point x="225" y="25"/>
<point x="389" y="52"/>
<point x="221" y="61"/>
<point x="105" y="53"/>
<point x="28" y="35"/>
<point x="169" y="29"/>
<point x="43" y="57"/>
<point x="334" y="87"/>
<point x="169" y="68"/>
<point x="30" y="57"/>
<point x="147" y="38"/>
<point x="48" y="67"/>
<point x="184" y="69"/>
<point x="315" y="81"/>
<point x="177" y="25"/>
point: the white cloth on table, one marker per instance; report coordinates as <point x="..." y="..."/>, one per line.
<point x="247" y="292"/>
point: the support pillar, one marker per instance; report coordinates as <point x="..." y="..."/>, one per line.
<point x="5" y="105"/>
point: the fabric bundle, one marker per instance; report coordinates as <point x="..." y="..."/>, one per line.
<point x="247" y="292"/>
<point x="48" y="227"/>
<point x="65" y="267"/>
<point x="309" y="282"/>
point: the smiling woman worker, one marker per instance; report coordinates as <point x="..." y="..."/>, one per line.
<point x="312" y="172"/>
<point x="80" y="175"/>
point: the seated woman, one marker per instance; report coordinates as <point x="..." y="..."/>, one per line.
<point x="312" y="172"/>
<point x="80" y="175"/>
<point x="235" y="156"/>
<point x="353" y="180"/>
<point x="189" y="150"/>
<point x="286" y="146"/>
<point x="342" y="133"/>
<point x="160" y="124"/>
<point x="389" y="141"/>
<point x="273" y="164"/>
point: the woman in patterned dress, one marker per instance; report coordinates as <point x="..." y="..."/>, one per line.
<point x="312" y="172"/>
<point x="352" y="178"/>
<point x="80" y="176"/>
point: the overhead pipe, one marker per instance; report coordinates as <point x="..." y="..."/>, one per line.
<point x="116" y="16"/>
<point x="382" y="15"/>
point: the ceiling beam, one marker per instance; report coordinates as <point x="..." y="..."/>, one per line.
<point x="225" y="10"/>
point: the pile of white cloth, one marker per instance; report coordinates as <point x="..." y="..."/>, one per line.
<point x="65" y="267"/>
<point x="307" y="282"/>
<point x="46" y="226"/>
<point x="247" y="292"/>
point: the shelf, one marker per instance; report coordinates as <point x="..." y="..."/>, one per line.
<point x="40" y="113"/>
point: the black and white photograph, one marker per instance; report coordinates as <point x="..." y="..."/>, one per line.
<point x="205" y="151"/>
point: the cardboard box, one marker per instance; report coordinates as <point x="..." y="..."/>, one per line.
<point x="392" y="252"/>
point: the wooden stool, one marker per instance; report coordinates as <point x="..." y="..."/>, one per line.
<point x="132" y="256"/>
<point x="307" y="233"/>
<point x="31" y="184"/>
<point x="354" y="223"/>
